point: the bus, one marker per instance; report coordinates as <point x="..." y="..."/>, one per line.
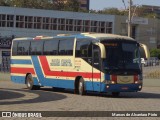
<point x="104" y="63"/>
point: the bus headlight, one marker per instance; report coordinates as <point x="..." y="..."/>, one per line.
<point x="110" y="82"/>
<point x="107" y="86"/>
<point x="138" y="82"/>
<point x="140" y="87"/>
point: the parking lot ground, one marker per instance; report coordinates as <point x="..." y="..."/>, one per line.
<point x="15" y="97"/>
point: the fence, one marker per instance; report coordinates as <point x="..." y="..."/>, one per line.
<point x="151" y="72"/>
<point x="5" y="66"/>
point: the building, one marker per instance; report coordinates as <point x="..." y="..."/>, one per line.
<point x="23" y="22"/>
<point x="84" y="4"/>
<point x="152" y="9"/>
<point x="26" y="22"/>
<point x="144" y="30"/>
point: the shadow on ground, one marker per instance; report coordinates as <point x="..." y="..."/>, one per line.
<point x="128" y="95"/>
<point x="15" y="96"/>
<point x="10" y="96"/>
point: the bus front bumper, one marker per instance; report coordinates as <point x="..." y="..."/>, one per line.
<point x="122" y="87"/>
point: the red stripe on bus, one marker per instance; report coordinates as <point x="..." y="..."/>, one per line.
<point x="22" y="70"/>
<point x="48" y="72"/>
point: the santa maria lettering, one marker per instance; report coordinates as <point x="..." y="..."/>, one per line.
<point x="62" y="62"/>
<point x="55" y="62"/>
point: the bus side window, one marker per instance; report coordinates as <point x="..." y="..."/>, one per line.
<point x="83" y="48"/>
<point x="36" y="48"/>
<point x="23" y="47"/>
<point x="14" y="49"/>
<point x="66" y="47"/>
<point x="51" y="47"/>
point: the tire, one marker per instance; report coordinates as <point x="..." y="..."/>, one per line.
<point x="115" y="94"/>
<point x="30" y="84"/>
<point x="81" y="87"/>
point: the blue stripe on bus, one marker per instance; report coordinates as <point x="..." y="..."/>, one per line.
<point x="38" y="70"/>
<point x="21" y="79"/>
<point x="68" y="84"/>
<point x="18" y="79"/>
<point x="18" y="61"/>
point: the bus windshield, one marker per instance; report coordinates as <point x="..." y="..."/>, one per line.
<point x="122" y="55"/>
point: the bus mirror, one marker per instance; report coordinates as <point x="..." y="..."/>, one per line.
<point x="144" y="51"/>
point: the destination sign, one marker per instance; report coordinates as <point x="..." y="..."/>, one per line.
<point x="111" y="44"/>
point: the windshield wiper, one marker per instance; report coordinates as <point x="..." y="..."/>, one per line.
<point x="110" y="69"/>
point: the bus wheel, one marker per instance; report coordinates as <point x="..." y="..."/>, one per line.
<point x="30" y="84"/>
<point x="115" y="94"/>
<point x="81" y="88"/>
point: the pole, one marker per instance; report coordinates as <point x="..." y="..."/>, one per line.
<point x="14" y="20"/>
<point x="129" y="19"/>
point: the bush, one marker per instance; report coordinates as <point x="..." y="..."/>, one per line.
<point x="155" y="53"/>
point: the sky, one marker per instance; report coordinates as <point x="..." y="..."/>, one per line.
<point x="101" y="4"/>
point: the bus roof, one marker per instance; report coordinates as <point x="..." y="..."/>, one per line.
<point x="97" y="36"/>
<point x="102" y="36"/>
<point x="24" y="38"/>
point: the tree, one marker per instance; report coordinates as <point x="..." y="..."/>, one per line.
<point x="4" y="3"/>
<point x="72" y="5"/>
<point x="58" y="4"/>
<point x="41" y="4"/>
<point x="113" y="11"/>
<point x="142" y="12"/>
<point x="155" y="53"/>
<point x="68" y="5"/>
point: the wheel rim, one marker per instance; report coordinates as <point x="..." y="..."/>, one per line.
<point x="80" y="87"/>
<point x="29" y="81"/>
<point x="28" y="84"/>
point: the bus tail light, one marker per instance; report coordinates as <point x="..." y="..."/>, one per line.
<point x="114" y="79"/>
<point x="137" y="79"/>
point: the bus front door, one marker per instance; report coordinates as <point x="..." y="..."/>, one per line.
<point x="96" y="68"/>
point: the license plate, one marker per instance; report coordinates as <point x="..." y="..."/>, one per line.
<point x="124" y="88"/>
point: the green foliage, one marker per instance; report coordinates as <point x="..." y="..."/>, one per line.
<point x="155" y="53"/>
<point x="69" y="5"/>
<point x="72" y="5"/>
<point x="151" y="15"/>
<point x="39" y="4"/>
<point x="4" y="3"/>
<point x="58" y="4"/>
<point x="112" y="11"/>
<point x="136" y="11"/>
<point x="142" y="12"/>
